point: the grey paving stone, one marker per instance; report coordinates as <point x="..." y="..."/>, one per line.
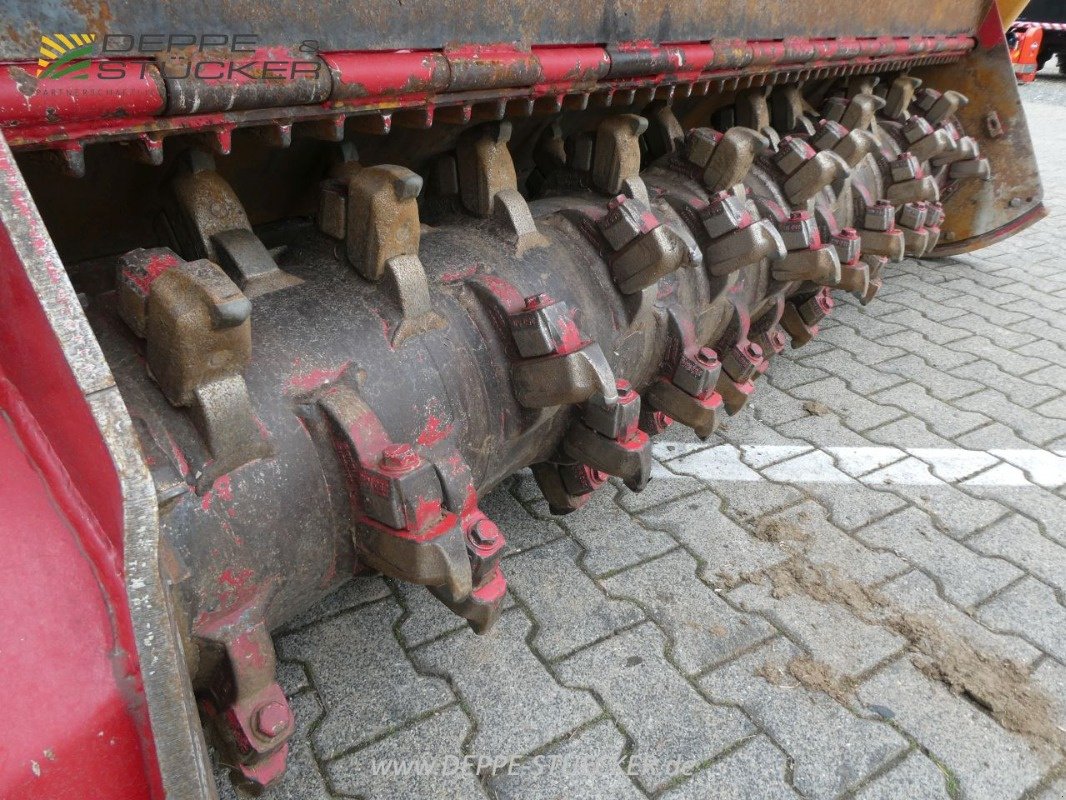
<point x="907" y="432"/>
<point x="1055" y="791"/>
<point x="749" y="503"/>
<point x="1029" y="425"/>
<point x="570" y="610"/>
<point x="1030" y="609"/>
<point x="941" y="385"/>
<point x="990" y="437"/>
<point x="583" y="767"/>
<point x="521" y="529"/>
<point x="941" y="333"/>
<point x="787" y="373"/>
<point x="830" y="633"/>
<point x="292" y="678"/>
<point x="1050" y="678"/>
<point x="941" y="310"/>
<point x="952" y="510"/>
<point x="720" y="543"/>
<point x="430" y="755"/>
<point x="355" y="656"/>
<point x="351" y="595"/>
<point x="664" y="487"/>
<point x="702" y="628"/>
<point x="856" y="411"/>
<point x="746" y="429"/>
<point x="771" y="406"/>
<point x="937" y="356"/>
<point x="916" y="594"/>
<point x="427" y="617"/>
<point x="873" y="322"/>
<point x="611" y="537"/>
<point x="916" y="776"/>
<point x="833" y="750"/>
<point x="944" y="419"/>
<point x="1053" y="375"/>
<point x="754" y="771"/>
<point x="965" y="577"/>
<point x="1019" y="539"/>
<point x="1047" y="508"/>
<point x="864" y="350"/>
<point x="860" y="378"/>
<point x="997" y="332"/>
<point x="1019" y="389"/>
<point x="659" y="710"/>
<point x="823" y="542"/>
<point x="988" y="762"/>
<point x="853" y="505"/>
<point x="516" y="703"/>
<point x="826" y="430"/>
<point x="302" y="778"/>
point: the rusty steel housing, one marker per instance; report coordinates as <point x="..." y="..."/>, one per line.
<point x="342" y="308"/>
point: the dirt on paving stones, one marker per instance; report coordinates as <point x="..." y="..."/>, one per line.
<point x="779" y="530"/>
<point x="999" y="686"/>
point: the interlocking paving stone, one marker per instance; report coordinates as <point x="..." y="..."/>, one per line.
<point x="1028" y="424"/>
<point x="943" y="419"/>
<point x="571" y="611"/>
<point x="703" y="629"/>
<point x="1019" y="540"/>
<point x="988" y="762"/>
<point x="612" y="538"/>
<point x="356" y="656"/>
<point x="1030" y="609"/>
<point x="966" y="578"/>
<point x="664" y="487"/>
<point x="833" y="749"/>
<point x="754" y="771"/>
<point x="856" y="411"/>
<point x="660" y="711"/>
<point x="952" y="510"/>
<point x="916" y="594"/>
<point x="830" y="633"/>
<point x="916" y="776"/>
<point x="941" y="385"/>
<point x="352" y="595"/>
<point x="584" y="767"/>
<point x="516" y="703"/>
<point x="1019" y="389"/>
<point x="434" y="742"/>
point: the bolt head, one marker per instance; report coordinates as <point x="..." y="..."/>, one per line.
<point x="272" y="719"/>
<point x="399" y="458"/>
<point x="707" y="356"/>
<point x="537" y="301"/>
<point x="484" y="533"/>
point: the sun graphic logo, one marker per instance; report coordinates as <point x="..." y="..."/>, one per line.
<point x="65" y="55"/>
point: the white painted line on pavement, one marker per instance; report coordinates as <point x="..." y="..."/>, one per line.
<point x="873" y="466"/>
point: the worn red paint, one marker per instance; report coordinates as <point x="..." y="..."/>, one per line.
<point x="315" y="378"/>
<point x="435" y="431"/>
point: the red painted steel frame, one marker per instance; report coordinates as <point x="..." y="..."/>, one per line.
<point x="363" y="82"/>
<point x="68" y="674"/>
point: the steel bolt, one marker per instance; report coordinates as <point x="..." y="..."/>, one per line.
<point x="537" y="301"/>
<point x="271" y="720"/>
<point x="707" y="356"/>
<point x="484" y="533"/>
<point x="754" y="351"/>
<point x="399" y="458"/>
